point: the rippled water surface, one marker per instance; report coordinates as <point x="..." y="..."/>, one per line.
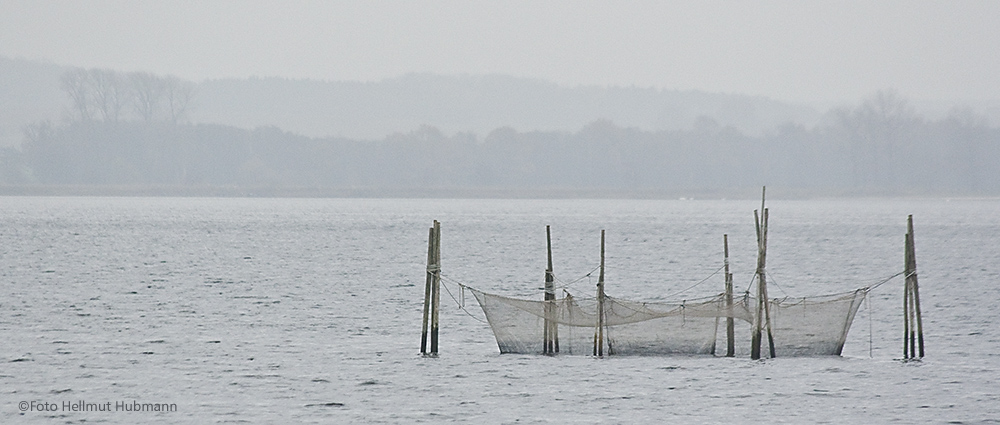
<point x="308" y="310"/>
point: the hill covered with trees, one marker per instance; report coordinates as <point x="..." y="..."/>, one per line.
<point x="133" y="133"/>
<point x="877" y="148"/>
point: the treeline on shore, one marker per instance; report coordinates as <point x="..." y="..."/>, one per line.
<point x="878" y="148"/>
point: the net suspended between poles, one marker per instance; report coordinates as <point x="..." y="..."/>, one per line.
<point x="630" y="327"/>
<point x="578" y="325"/>
<point x="581" y="325"/>
<point x="806" y="326"/>
<point x="814" y="326"/>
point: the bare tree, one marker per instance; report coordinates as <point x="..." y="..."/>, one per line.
<point x="148" y="94"/>
<point x="39" y="133"/>
<point x="107" y="95"/>
<point x="76" y="82"/>
<point x="110" y="94"/>
<point x="876" y="131"/>
<point x="178" y="95"/>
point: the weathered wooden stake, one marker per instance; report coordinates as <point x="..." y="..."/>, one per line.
<point x="551" y="333"/>
<point x="427" y="290"/>
<point x="436" y="288"/>
<point x="916" y="290"/>
<point x="906" y="297"/>
<point x="599" y="332"/>
<point x="759" y="316"/>
<point x="912" y="320"/>
<point x="730" y="325"/>
<point x="763" y="281"/>
<point x="763" y="317"/>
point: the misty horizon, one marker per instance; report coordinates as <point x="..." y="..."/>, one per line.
<point x="857" y="98"/>
<point x="929" y="104"/>
<point x="215" y="97"/>
<point x="135" y="133"/>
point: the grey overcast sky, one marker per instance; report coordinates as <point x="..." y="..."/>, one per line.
<point x="789" y="50"/>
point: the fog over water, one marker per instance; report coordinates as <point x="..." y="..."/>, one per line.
<point x="220" y="209"/>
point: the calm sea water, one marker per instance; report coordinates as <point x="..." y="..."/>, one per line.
<point x="308" y="310"/>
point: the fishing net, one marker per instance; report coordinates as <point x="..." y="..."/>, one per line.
<point x="813" y="325"/>
<point x="800" y="326"/>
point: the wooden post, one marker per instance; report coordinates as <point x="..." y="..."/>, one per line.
<point x="730" y="325"/>
<point x="427" y="290"/>
<point x="906" y="299"/>
<point x="599" y="332"/>
<point x="551" y="332"/>
<point x="758" y="317"/>
<point x="763" y="316"/>
<point x="914" y="320"/>
<point x="763" y="282"/>
<point x="436" y="288"/>
<point x="916" y="289"/>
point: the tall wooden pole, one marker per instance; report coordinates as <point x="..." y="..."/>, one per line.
<point x="427" y="290"/>
<point x="599" y="332"/>
<point x="906" y="299"/>
<point x="763" y="282"/>
<point x="554" y="333"/>
<point x="600" y="283"/>
<point x="551" y="332"/>
<point x="763" y="316"/>
<point x="436" y="288"/>
<point x="916" y="289"/>
<point x="730" y="325"/>
<point x="913" y="322"/>
<point x="915" y="319"/>
<point x="759" y="316"/>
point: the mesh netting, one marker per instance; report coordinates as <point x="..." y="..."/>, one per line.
<point x="800" y="326"/>
<point x="813" y="325"/>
